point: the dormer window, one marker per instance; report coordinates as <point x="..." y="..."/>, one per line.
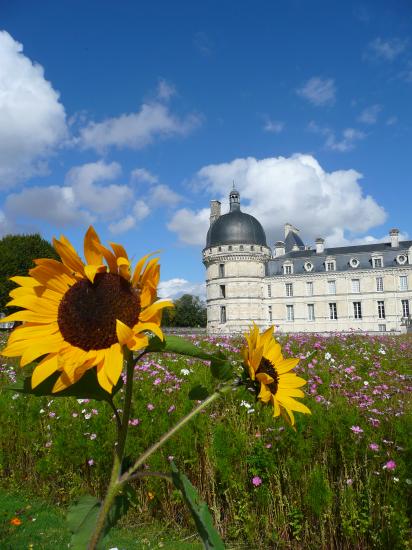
<point x="308" y="266"/>
<point x="354" y="262"/>
<point x="401" y="259"/>
<point x="377" y="261"/>
<point x="330" y="264"/>
<point x="287" y="269"/>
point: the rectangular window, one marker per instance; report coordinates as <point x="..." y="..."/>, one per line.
<point x="222" y="291"/>
<point x="221" y="270"/>
<point x="405" y="308"/>
<point x="381" y="309"/>
<point x="333" y="311"/>
<point x="241" y="247"/>
<point x="289" y="289"/>
<point x="287" y="269"/>
<point x="377" y="262"/>
<point x="379" y="284"/>
<point x="229" y="247"/>
<point x="309" y="288"/>
<point x="403" y="282"/>
<point x="311" y="312"/>
<point x="289" y="313"/>
<point x="357" y="310"/>
<point x="382" y="328"/>
<point x="270" y="313"/>
<point x="330" y="266"/>
<point x="222" y="314"/>
<point x="252" y="248"/>
<point x="332" y="287"/>
<point x="356" y="286"/>
<point x="269" y="291"/>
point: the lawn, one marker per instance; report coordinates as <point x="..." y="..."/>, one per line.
<point x="340" y="481"/>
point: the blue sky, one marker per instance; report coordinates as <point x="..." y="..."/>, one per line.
<point x="134" y="115"/>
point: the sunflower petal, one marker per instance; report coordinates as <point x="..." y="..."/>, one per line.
<point x="46" y="368"/>
<point x="92" y="253"/>
<point x="265" y="395"/>
<point x="113" y="365"/>
<point x="68" y="256"/>
<point x="293" y="405"/>
<point x="286" y="365"/>
<point x="124" y="333"/>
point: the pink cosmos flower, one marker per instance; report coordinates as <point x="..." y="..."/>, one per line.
<point x="150" y="406"/>
<point x="356" y="429"/>
<point x="257" y="481"/>
<point x="374" y="447"/>
<point x="390" y="465"/>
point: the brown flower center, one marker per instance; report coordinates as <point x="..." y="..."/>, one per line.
<point x="267" y="367"/>
<point x="88" y="311"/>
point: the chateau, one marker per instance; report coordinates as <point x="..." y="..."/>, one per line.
<point x="299" y="288"/>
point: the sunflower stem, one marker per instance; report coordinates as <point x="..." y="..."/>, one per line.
<point x="130" y="364"/>
<point x="143" y="457"/>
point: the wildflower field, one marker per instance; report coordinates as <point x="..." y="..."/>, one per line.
<point x="341" y="480"/>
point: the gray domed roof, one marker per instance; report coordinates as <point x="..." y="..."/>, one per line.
<point x="235" y="228"/>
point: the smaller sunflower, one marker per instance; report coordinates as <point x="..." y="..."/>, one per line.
<point x="266" y="366"/>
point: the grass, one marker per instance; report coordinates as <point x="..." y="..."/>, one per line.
<point x="342" y="480"/>
<point x="43" y="528"/>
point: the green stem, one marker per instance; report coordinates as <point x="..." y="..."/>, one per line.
<point x="143" y="457"/>
<point x="130" y="364"/>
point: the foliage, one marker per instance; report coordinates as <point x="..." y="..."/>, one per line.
<point x="17" y="253"/>
<point x="189" y="311"/>
<point x="322" y="486"/>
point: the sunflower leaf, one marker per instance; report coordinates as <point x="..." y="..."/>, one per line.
<point x="199" y="510"/>
<point x="175" y="344"/>
<point x="87" y="387"/>
<point x="198" y="392"/>
<point x="81" y="520"/>
<point x="222" y="370"/>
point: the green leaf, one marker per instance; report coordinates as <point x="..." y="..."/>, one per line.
<point x="199" y="510"/>
<point x="81" y="520"/>
<point x="222" y="370"/>
<point x="120" y="507"/>
<point x="199" y="392"/>
<point x="87" y="387"/>
<point x="175" y="344"/>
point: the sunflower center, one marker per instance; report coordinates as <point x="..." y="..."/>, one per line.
<point x="267" y="367"/>
<point x="88" y="311"/>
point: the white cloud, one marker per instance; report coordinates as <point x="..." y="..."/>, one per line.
<point x="163" y="195"/>
<point x="123" y="225"/>
<point x="387" y="50"/>
<point x="136" y="130"/>
<point x="174" y="288"/>
<point x="278" y="190"/>
<point x="319" y="91"/>
<point x="273" y="126"/>
<point x="391" y="120"/>
<point x="33" y="121"/>
<point x="143" y="175"/>
<point x="102" y="199"/>
<point x="53" y="204"/>
<point x="165" y="90"/>
<point x="346" y="142"/>
<point x="140" y="210"/>
<point x="370" y="114"/>
<point x="191" y="226"/>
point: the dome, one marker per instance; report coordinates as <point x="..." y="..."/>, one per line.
<point x="235" y="228"/>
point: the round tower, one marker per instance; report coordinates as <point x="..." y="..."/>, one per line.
<point x="235" y="258"/>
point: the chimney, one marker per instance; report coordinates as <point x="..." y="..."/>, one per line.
<point x="394" y="235"/>
<point x="214" y="211"/>
<point x="279" y="248"/>
<point x="320" y="245"/>
<point x="288" y="228"/>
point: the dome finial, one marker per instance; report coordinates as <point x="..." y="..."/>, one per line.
<point x="234" y="199"/>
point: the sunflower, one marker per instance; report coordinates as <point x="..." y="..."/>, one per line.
<point x="266" y="365"/>
<point x="80" y="315"/>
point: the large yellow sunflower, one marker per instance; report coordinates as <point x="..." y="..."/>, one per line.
<point x="80" y="315"/>
<point x="265" y="364"/>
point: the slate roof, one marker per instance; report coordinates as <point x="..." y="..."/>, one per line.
<point x="342" y="256"/>
<point x="293" y="239"/>
<point x="236" y="227"/>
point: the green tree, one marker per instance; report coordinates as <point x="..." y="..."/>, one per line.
<point x="17" y="253"/>
<point x="189" y="311"/>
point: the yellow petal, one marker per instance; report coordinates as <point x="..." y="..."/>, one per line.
<point x="140" y="341"/>
<point x="113" y="365"/>
<point x="292" y="392"/>
<point x="40" y="305"/>
<point x="265" y="394"/>
<point x="152" y="327"/>
<point x="102" y="377"/>
<point x="91" y="270"/>
<point x="46" y="368"/>
<point x="289" y="380"/>
<point x="150" y="311"/>
<point x="24" y="281"/>
<point x="119" y="251"/>
<point x="91" y="252"/>
<point x="292" y="404"/>
<point x="138" y="268"/>
<point x="286" y="365"/>
<point x="265" y="378"/>
<point x="30" y="316"/>
<point x="124" y="333"/>
<point x="68" y="256"/>
<point x="31" y="332"/>
<point x="50" y="344"/>
<point x="276" y="408"/>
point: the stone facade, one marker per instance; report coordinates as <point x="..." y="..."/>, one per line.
<point x="303" y="289"/>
